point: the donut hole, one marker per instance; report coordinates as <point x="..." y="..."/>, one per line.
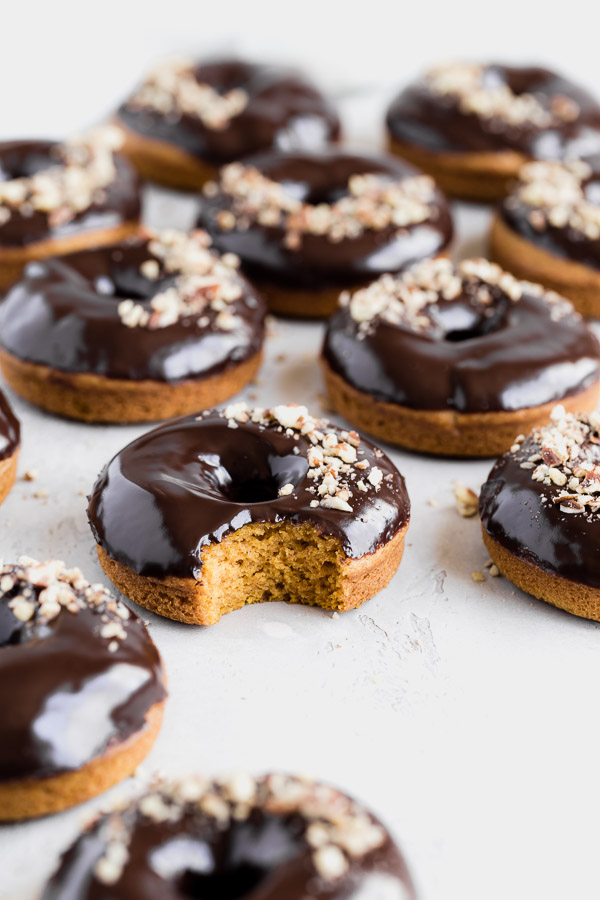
<point x="249" y="475"/>
<point x="464" y="321"/>
<point x="262" y="562"/>
<point x="23" y="161"/>
<point x="127" y="282"/>
<point x="234" y="862"/>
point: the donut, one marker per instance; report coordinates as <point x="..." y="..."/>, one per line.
<point x="308" y="225"/>
<point x="548" y="229"/>
<point x="57" y="198"/>
<point x="81" y="689"/>
<point x="10" y="443"/>
<point x="473" y="126"/>
<point x="539" y="511"/>
<point x="275" y="837"/>
<point x="189" y="118"/>
<point x="148" y="328"/>
<point x="453" y="360"/>
<point x="208" y="513"/>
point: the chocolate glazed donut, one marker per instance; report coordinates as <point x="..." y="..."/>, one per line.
<point x="208" y="513"/>
<point x="41" y="218"/>
<point x="548" y="229"/>
<point x="473" y="126"/>
<point x="457" y="361"/>
<point x="272" y="838"/>
<point x="141" y="330"/>
<point x="10" y="442"/>
<point x="307" y="225"/>
<point x="539" y="511"/>
<point x="188" y="119"/>
<point x="84" y="686"/>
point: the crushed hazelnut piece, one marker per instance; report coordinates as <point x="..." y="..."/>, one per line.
<point x="373" y="202"/>
<point x="203" y="283"/>
<point x="467" y="500"/>
<point x="466" y="84"/>
<point x="173" y="90"/>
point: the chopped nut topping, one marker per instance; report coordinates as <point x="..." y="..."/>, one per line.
<point x="467" y="500"/>
<point x="336" y="828"/>
<point x="373" y="203"/>
<point x="173" y="90"/>
<point x="565" y="454"/>
<point x="38" y="592"/>
<point x="556" y="196"/>
<point x="464" y="83"/>
<point x="204" y="281"/>
<point x="84" y="167"/>
<point x="407" y="299"/>
<point x="332" y="458"/>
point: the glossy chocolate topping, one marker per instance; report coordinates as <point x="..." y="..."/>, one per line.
<point x="565" y="119"/>
<point x="558" y="209"/>
<point x="470" y="339"/>
<point x="193" y="481"/>
<point x="171" y="849"/>
<point x="281" y="110"/>
<point x="71" y="313"/>
<point x="541" y="500"/>
<point x="345" y="249"/>
<point x="113" y="204"/>
<point x="78" y="672"/>
<point x="10" y="429"/>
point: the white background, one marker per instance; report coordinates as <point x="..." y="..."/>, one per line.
<point x="466" y="715"/>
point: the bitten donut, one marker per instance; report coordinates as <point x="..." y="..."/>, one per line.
<point x="81" y="689"/>
<point x="455" y="360"/>
<point x="148" y="328"/>
<point x="187" y="119"/>
<point x="10" y="443"/>
<point x="208" y="513"/>
<point x="540" y="513"/>
<point x="548" y="229"/>
<point x="473" y="126"/>
<point x="277" y="837"/>
<point x="58" y="198"/>
<point x="307" y="225"/>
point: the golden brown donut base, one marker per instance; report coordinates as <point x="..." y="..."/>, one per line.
<point x="165" y="163"/>
<point x="443" y="432"/>
<point x="578" y="599"/>
<point x="468" y="176"/>
<point x="574" y="280"/>
<point x="33" y="797"/>
<point x="262" y="562"/>
<point x="299" y="304"/>
<point x="96" y="398"/>
<point x="14" y="259"/>
<point x="8" y="474"/>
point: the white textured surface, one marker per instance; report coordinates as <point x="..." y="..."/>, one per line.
<point x="465" y="714"/>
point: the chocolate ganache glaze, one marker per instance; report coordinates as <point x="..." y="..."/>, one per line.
<point x="273" y="838"/>
<point x="557" y="207"/>
<point x="541" y="500"/>
<point x="78" y="671"/>
<point x="10" y="429"/>
<point x="490" y="108"/>
<point x="163" y="307"/>
<point x="224" y="109"/>
<point x="470" y="338"/>
<point x="193" y="481"/>
<point x="327" y="219"/>
<point x="39" y="200"/>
